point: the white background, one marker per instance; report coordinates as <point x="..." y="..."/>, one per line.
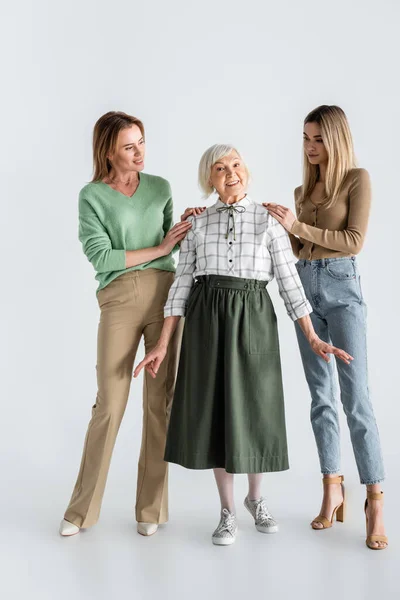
<point x="196" y="73"/>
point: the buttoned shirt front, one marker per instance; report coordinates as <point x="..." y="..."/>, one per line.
<point x="323" y="230"/>
<point x="239" y="240"/>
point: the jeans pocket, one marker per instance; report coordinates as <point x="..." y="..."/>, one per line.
<point x="300" y="268"/>
<point x="342" y="269"/>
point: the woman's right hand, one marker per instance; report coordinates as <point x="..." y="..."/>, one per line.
<point x="152" y="361"/>
<point x="174" y="236"/>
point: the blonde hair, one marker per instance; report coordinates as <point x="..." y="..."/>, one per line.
<point x="337" y="139"/>
<point x="105" y="135"/>
<point x="208" y="160"/>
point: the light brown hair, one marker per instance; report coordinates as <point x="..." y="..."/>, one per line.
<point x="337" y="139"/>
<point x="105" y="135"/>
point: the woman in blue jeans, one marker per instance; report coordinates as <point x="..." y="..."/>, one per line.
<point x="332" y="209"/>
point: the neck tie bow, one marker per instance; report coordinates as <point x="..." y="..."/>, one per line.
<point x="231" y="210"/>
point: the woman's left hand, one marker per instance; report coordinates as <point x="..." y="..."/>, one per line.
<point x="323" y="349"/>
<point x="282" y="214"/>
<point x="192" y="211"/>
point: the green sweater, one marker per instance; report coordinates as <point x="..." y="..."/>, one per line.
<point x="111" y="223"/>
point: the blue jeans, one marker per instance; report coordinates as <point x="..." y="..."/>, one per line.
<point x="332" y="286"/>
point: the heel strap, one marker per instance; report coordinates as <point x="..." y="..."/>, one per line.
<point x="374" y="495"/>
<point x="329" y="480"/>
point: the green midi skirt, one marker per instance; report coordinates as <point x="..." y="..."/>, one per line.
<point x="228" y="409"/>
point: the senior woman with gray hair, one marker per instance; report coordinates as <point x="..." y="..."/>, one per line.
<point x="228" y="410"/>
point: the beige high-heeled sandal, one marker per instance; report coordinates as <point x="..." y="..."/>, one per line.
<point x="374" y="538"/>
<point x="339" y="511"/>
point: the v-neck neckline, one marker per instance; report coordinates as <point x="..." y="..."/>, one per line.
<point x="141" y="178"/>
<point x="323" y="200"/>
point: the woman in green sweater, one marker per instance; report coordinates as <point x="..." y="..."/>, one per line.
<point x="125" y="226"/>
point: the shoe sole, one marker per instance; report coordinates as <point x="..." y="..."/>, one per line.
<point x="273" y="529"/>
<point x="147" y="534"/>
<point x="223" y="543"/>
<point x="69" y="534"/>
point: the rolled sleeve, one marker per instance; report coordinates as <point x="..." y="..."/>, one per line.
<point x="285" y="272"/>
<point x="180" y="289"/>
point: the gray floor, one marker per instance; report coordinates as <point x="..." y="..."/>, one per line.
<point x="111" y="560"/>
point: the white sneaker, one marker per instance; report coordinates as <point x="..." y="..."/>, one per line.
<point x="67" y="528"/>
<point x="225" y="534"/>
<point x="264" y="521"/>
<point x="147" y="528"/>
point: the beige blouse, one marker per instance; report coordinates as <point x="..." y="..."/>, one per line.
<point x="336" y="231"/>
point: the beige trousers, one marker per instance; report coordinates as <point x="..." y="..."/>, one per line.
<point x="131" y="306"/>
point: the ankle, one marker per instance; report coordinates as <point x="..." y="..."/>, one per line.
<point x="333" y="490"/>
<point x="253" y="498"/>
<point x="375" y="488"/>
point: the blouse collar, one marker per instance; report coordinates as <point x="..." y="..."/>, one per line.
<point x="243" y="202"/>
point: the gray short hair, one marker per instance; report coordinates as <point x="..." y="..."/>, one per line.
<point x="209" y="158"/>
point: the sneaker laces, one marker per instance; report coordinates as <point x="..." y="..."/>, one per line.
<point x="262" y="513"/>
<point x="227" y="523"/>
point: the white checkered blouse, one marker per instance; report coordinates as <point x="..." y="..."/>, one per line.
<point x="242" y="240"/>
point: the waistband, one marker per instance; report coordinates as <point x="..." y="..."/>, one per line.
<point x="135" y="273"/>
<point x="322" y="262"/>
<point x="234" y="283"/>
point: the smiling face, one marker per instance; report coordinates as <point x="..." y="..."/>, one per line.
<point x="313" y="144"/>
<point x="229" y="176"/>
<point x="129" y="150"/>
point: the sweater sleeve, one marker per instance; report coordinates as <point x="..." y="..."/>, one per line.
<point x="169" y="218"/>
<point x="96" y="242"/>
<point x="351" y="238"/>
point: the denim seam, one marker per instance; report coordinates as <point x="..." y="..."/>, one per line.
<point x="369" y="398"/>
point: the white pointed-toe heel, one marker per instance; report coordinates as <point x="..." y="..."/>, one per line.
<point x="147" y="528"/>
<point x="67" y="528"/>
